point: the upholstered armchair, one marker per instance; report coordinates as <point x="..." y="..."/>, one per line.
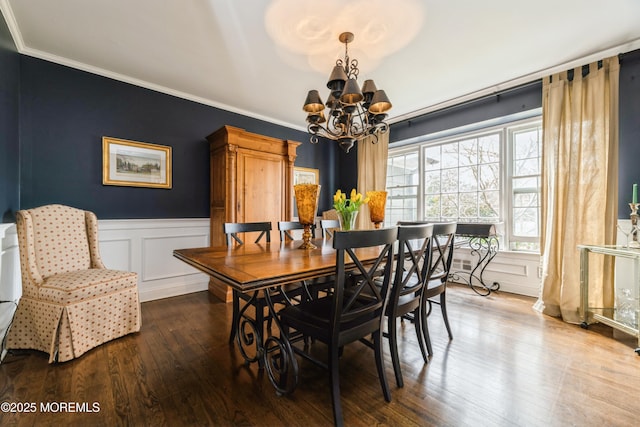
<point x="70" y="302"/>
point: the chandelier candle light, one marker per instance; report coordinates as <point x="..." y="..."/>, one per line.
<point x="354" y="114"/>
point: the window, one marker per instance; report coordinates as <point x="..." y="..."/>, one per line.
<point x="526" y="148"/>
<point x="402" y="187"/>
<point x="491" y="175"/>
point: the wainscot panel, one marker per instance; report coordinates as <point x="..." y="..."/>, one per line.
<point x="10" y="285"/>
<point x="516" y="272"/>
<point x="146" y="247"/>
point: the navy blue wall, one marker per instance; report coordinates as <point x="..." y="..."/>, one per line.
<point x="629" y="130"/>
<point x="64" y="113"/>
<point x="9" y="136"/>
<point x="53" y="118"/>
<point x="508" y="102"/>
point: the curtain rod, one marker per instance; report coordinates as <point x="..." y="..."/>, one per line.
<point x="518" y="82"/>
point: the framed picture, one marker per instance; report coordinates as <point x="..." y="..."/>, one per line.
<point x="305" y="176"/>
<point x="135" y="164"/>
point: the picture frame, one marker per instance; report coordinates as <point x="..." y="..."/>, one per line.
<point x="305" y="176"/>
<point x="135" y="164"/>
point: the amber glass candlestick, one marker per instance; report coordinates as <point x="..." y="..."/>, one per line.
<point x="377" y="201"/>
<point x="307" y="203"/>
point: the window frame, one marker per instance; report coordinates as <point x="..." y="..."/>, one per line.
<point x="506" y="129"/>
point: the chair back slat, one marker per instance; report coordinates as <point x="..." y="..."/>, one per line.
<point x="285" y="228"/>
<point x="328" y="226"/>
<point x="442" y="251"/>
<point x="363" y="301"/>
<point x="412" y="262"/>
<point x="231" y="230"/>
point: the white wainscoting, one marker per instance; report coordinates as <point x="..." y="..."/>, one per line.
<point x="516" y="272"/>
<point x="10" y="285"/>
<point x="146" y="247"/>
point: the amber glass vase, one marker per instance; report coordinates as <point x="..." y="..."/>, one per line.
<point x="377" y="201"/>
<point x="307" y="203"/>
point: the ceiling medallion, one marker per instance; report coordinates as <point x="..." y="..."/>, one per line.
<point x="353" y="114"/>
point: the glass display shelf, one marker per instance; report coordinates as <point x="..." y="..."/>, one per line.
<point x="609" y="317"/>
<point x="626" y="320"/>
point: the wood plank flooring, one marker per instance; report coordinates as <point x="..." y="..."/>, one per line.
<point x="506" y="366"/>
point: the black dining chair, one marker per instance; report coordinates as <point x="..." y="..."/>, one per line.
<point x="442" y="247"/>
<point x="328" y="226"/>
<point x="231" y="230"/>
<point x="412" y="269"/>
<point x="285" y="228"/>
<point x="259" y="302"/>
<point x="347" y="315"/>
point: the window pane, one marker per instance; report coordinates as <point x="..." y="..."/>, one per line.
<point x="490" y="176"/>
<point x="432" y="158"/>
<point x="489" y="149"/>
<point x="449" y="156"/>
<point x="450" y="205"/>
<point x="525" y="222"/>
<point x="432" y="207"/>
<point x="526" y="167"/>
<point x="432" y="181"/>
<point x="526" y="144"/>
<point x="529" y="182"/>
<point x="468" y="178"/>
<point x="450" y="181"/>
<point x="489" y="205"/>
<point x="468" y="152"/>
<point x="469" y="205"/>
<point x="525" y="200"/>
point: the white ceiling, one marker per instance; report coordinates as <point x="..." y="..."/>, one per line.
<point x="219" y="52"/>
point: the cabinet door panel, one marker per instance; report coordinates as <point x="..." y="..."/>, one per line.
<point x="260" y="187"/>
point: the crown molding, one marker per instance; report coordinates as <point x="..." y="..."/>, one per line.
<point x="35" y="53"/>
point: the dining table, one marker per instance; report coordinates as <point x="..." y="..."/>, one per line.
<point x="267" y="269"/>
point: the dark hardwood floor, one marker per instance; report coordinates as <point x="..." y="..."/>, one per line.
<point x="506" y="366"/>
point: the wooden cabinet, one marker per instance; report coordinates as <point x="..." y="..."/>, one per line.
<point x="251" y="181"/>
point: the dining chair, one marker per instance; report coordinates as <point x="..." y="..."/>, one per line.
<point x="285" y="228"/>
<point x="328" y="226"/>
<point x="345" y="316"/>
<point x="412" y="268"/>
<point x="441" y="257"/>
<point x="311" y="288"/>
<point x="231" y="230"/>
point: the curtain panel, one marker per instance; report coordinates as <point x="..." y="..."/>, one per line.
<point x="579" y="185"/>
<point x="372" y="172"/>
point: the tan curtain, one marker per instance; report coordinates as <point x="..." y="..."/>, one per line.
<point x="579" y="185"/>
<point x="372" y="172"/>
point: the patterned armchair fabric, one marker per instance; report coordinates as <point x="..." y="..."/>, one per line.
<point x="70" y="302"/>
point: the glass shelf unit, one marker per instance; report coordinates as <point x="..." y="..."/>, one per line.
<point x="610" y="316"/>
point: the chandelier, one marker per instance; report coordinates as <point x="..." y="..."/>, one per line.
<point x="354" y="114"/>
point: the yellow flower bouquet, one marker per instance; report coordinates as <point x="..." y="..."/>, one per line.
<point x="348" y="208"/>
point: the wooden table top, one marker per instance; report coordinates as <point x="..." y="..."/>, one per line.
<point x="254" y="266"/>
